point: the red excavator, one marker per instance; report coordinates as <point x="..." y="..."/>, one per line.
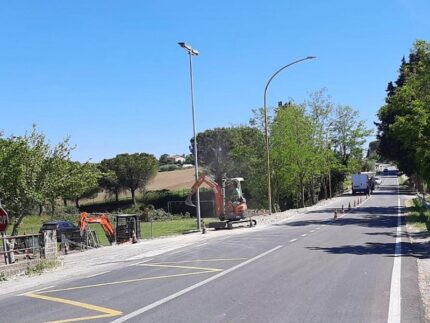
<point x="230" y="205"/>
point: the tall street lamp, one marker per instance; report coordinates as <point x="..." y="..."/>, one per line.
<point x="266" y="128"/>
<point x="192" y="52"/>
<point x="328" y="156"/>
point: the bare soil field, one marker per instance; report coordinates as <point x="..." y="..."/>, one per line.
<point x="173" y="180"/>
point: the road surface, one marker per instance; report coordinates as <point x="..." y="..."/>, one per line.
<point x="359" y="268"/>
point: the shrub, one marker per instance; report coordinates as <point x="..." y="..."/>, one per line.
<point x="168" y="167"/>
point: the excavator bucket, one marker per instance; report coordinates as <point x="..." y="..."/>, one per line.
<point x="189" y="202"/>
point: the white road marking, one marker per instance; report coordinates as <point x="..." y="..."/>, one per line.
<point x="395" y="309"/>
<point x="98" y="274"/>
<point x="317" y="228"/>
<point x="189" y="289"/>
<point x="292" y="240"/>
<point x="312" y="231"/>
<point x="140" y="262"/>
<point x="304" y="234"/>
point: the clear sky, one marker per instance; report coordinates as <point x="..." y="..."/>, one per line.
<point x="110" y="74"/>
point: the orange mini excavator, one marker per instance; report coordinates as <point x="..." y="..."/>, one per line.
<point x="230" y="205"/>
<point x="100" y="218"/>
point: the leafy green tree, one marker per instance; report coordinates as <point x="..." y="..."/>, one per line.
<point x="109" y="180"/>
<point x="404" y="128"/>
<point x="348" y="135"/>
<point x="82" y="181"/>
<point x="213" y="151"/>
<point x="134" y="171"/>
<point x="26" y="171"/>
<point x="164" y="160"/>
<point x="294" y="154"/>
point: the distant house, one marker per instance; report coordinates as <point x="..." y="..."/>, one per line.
<point x="177" y="159"/>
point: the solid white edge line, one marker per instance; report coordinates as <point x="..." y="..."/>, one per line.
<point x="395" y="308"/>
<point x="189" y="289"/>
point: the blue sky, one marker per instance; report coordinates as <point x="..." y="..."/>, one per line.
<point x="110" y="74"/>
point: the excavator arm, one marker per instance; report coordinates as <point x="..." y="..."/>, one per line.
<point x="99" y="218"/>
<point x="219" y="200"/>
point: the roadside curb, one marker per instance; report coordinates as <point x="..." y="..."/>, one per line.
<point x="418" y="237"/>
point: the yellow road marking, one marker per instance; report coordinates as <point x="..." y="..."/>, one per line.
<point x="182" y="267"/>
<point x="125" y="281"/>
<point x="110" y="312"/>
<point x="201" y="260"/>
<point x="107" y="312"/>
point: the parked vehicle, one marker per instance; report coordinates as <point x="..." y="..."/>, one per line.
<point x="362" y="183"/>
<point x="62" y="227"/>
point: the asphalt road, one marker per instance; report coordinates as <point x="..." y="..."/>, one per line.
<point x="359" y="268"/>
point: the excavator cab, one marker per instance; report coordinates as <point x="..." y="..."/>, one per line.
<point x="127" y="226"/>
<point x="234" y="203"/>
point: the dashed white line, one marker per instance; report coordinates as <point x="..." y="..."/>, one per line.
<point x="304" y="234"/>
<point x="312" y="231"/>
<point x="292" y="240"/>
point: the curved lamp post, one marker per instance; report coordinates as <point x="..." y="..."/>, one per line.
<point x="266" y="130"/>
<point x="192" y="52"/>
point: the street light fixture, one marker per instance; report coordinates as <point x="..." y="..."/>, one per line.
<point x="192" y="52"/>
<point x="266" y="129"/>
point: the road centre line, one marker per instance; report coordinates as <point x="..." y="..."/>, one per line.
<point x="292" y="240"/>
<point x="107" y="312"/>
<point x="188" y="289"/>
<point x="312" y="231"/>
<point x="304" y="234"/>
<point x="395" y="307"/>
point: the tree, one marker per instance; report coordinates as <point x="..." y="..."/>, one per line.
<point x="404" y="128"/>
<point x="164" y="159"/>
<point x="26" y="171"/>
<point x="134" y="171"/>
<point x="294" y="154"/>
<point x="213" y="151"/>
<point x="82" y="181"/>
<point x="109" y="179"/>
<point x="349" y="134"/>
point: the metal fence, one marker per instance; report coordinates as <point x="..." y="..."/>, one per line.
<point x="207" y="208"/>
<point x="20" y="247"/>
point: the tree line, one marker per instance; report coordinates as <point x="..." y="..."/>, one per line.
<point x="35" y="174"/>
<point x="404" y="127"/>
<point x="314" y="145"/>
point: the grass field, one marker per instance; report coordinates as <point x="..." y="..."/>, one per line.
<point x="32" y="224"/>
